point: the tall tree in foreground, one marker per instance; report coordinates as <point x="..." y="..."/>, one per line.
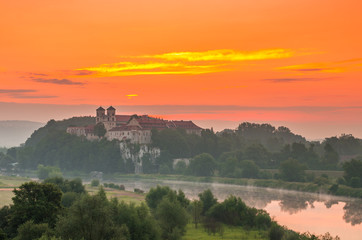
<point x="37" y="202"/>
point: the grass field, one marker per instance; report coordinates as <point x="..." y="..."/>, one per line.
<point x="5" y="197"/>
<point x="7" y="184"/>
<point x="125" y="196"/>
<point x="11" y="182"/>
<point x="229" y="233"/>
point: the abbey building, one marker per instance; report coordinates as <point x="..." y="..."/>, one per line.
<point x="132" y="128"/>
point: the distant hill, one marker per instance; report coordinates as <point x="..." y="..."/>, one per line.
<point x="58" y="126"/>
<point x="14" y="133"/>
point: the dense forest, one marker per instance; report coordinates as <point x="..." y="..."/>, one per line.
<point x="246" y="152"/>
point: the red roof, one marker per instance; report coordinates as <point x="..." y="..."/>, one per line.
<point x="122" y="118"/>
<point x="186" y="125"/>
<point x="124" y="128"/>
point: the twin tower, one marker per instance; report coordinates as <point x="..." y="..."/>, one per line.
<point x="109" y="119"/>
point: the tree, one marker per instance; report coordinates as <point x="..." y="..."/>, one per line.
<point x="331" y="157"/>
<point x="74" y="185"/>
<point x="249" y="169"/>
<point x="353" y="172"/>
<point x="202" y="165"/>
<point x="155" y="196"/>
<point x="196" y="211"/>
<point x="31" y="231"/>
<point x="208" y="200"/>
<point x="258" y="154"/>
<point x="138" y="221"/>
<point x="276" y="232"/>
<point x="100" y="130"/>
<point x="291" y="170"/>
<point x="88" y="218"/>
<point x="172" y="217"/>
<point x="38" y="202"/>
<point x="48" y="172"/>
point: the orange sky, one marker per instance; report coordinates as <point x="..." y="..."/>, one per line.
<point x="295" y="62"/>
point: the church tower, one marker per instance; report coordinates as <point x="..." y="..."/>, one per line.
<point x="100" y="114"/>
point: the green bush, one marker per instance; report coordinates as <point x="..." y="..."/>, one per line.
<point x="276" y="232"/>
<point x="95" y="183"/>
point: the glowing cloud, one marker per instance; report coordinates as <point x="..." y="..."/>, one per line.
<point x="225" y="55"/>
<point x="313" y="67"/>
<point x="132" y="95"/>
<point x="183" y="62"/>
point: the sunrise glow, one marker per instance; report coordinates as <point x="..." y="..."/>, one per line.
<point x="303" y="58"/>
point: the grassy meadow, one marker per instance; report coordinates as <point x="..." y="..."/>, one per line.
<point x="229" y="233"/>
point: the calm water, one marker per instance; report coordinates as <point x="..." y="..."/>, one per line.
<point x="316" y="213"/>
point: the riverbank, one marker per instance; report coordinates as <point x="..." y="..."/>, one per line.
<point x="332" y="189"/>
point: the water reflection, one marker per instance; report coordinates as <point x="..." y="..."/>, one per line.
<point x="353" y="212"/>
<point x="290" y="202"/>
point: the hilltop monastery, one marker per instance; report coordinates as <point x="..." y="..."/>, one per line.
<point x="134" y="128"/>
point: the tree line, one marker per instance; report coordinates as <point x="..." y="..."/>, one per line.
<point x="58" y="208"/>
<point x="241" y="153"/>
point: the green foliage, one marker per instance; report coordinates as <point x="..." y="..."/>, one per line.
<point x="74" y="185"/>
<point x="331" y="157"/>
<point x="353" y="173"/>
<point x="196" y="210"/>
<point x="139" y="222"/>
<point x="172" y="217"/>
<point x="148" y="166"/>
<point x="48" y="172"/>
<point x="346" y="144"/>
<point x="249" y="169"/>
<point x="95" y="183"/>
<point x="180" y="167"/>
<point x="58" y="126"/>
<point x="207" y="199"/>
<point x="70" y="153"/>
<point x="6" y="161"/>
<point x="202" y="165"/>
<point x="87" y="218"/>
<point x="38" y="202"/>
<point x="30" y="230"/>
<point x="99" y="130"/>
<point x="173" y="141"/>
<point x="5" y="228"/>
<point x="276" y="232"/>
<point x="69" y="198"/>
<point x="293" y="171"/>
<point x="258" y="154"/>
<point x="155" y="196"/>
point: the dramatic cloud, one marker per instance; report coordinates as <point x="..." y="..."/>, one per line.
<point x="57" y="81"/>
<point x="183" y="62"/>
<point x="225" y="55"/>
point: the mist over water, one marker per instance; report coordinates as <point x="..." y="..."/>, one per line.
<point x="316" y="213"/>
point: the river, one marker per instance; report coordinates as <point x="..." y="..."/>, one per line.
<point x="302" y="212"/>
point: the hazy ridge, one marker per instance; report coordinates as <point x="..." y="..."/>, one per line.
<point x="15" y="132"/>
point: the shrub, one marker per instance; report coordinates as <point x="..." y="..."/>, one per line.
<point x="276" y="232"/>
<point x="95" y="183"/>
